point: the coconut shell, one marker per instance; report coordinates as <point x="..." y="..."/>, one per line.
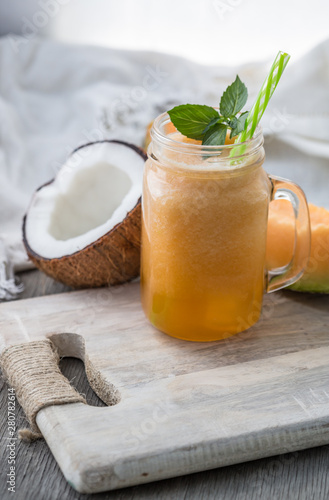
<point x="111" y="260"/>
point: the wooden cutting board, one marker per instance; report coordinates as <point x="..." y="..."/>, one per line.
<point x="184" y="406"/>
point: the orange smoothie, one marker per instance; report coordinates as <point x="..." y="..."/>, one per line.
<point x="203" y="242"/>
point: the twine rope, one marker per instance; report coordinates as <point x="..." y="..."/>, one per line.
<point x="32" y="369"/>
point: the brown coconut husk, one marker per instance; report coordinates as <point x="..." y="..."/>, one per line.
<point x="111" y="260"/>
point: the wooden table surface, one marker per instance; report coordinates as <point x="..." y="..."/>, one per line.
<point x="296" y="476"/>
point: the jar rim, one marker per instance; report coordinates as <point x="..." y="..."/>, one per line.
<point x="249" y="146"/>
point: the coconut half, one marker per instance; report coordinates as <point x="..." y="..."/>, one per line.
<point x="83" y="228"/>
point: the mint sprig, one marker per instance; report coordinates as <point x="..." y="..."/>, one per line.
<point x="206" y="124"/>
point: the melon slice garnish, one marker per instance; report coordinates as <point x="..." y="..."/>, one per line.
<point x="280" y="244"/>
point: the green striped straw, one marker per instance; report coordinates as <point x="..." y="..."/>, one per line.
<point x="263" y="98"/>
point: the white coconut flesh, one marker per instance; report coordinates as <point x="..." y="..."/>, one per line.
<point x="92" y="193"/>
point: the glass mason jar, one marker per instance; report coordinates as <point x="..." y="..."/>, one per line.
<point x="204" y="211"/>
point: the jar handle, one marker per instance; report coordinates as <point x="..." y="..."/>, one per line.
<point x="287" y="275"/>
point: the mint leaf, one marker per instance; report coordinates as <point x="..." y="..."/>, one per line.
<point x="233" y="123"/>
<point x="212" y="123"/>
<point x="192" y="119"/>
<point x="239" y="125"/>
<point x="234" y="98"/>
<point x="215" y="136"/>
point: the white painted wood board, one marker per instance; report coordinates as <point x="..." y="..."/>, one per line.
<point x="184" y="406"/>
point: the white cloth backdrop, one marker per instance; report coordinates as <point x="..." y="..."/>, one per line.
<point x="55" y="97"/>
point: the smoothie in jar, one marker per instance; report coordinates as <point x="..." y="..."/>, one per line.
<point x="204" y="237"/>
<point x="205" y="206"/>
